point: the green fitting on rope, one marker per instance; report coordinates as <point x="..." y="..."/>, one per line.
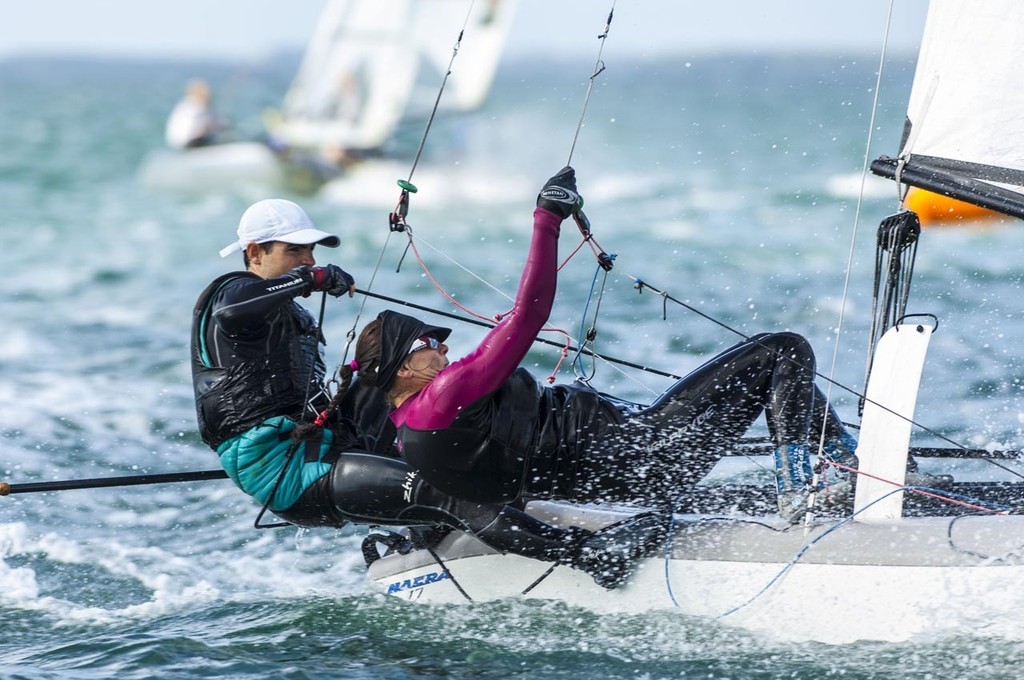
<point x="408" y="186"/>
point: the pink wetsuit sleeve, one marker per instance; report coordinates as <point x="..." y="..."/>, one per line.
<point x="489" y="365"/>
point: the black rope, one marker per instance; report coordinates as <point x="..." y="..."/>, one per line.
<point x="895" y="254"/>
<point x="394" y="541"/>
<point x="396" y="220"/>
<point x="540" y="579"/>
<point x="451" y="576"/>
<point x="544" y="341"/>
<point x="598" y="68"/>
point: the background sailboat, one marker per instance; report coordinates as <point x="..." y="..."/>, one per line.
<point x="365" y="70"/>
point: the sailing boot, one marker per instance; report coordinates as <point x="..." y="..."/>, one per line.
<point x="793" y="477"/>
<point x="610" y="554"/>
<point x="843" y="450"/>
<point x="838" y="480"/>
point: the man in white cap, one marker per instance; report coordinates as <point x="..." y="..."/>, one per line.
<point x="257" y="355"/>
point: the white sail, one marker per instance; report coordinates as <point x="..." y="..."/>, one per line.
<point x="359" y="73"/>
<point x="964" y="135"/>
<point x="969" y="71"/>
<point x="487" y="26"/>
<point x="354" y="81"/>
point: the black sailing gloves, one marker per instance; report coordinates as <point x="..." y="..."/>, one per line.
<point x="333" y="279"/>
<point x="559" y="194"/>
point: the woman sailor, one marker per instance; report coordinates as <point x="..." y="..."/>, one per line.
<point x="484" y="429"/>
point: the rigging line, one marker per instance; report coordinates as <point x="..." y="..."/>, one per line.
<point x="397" y="218"/>
<point x="807" y="546"/>
<point x="540" y="579"/>
<point x="565" y="348"/>
<point x="440" y="289"/>
<point x="667" y="556"/>
<point x="1007" y="557"/>
<point x="466" y="269"/>
<point x="640" y="283"/>
<point x="461" y="266"/>
<point x="588" y="336"/>
<point x="545" y="341"/>
<point x="351" y="335"/>
<point x="598" y="68"/>
<point x="440" y="91"/>
<point x="416" y="159"/>
<point x="853" y="237"/>
<point x="942" y="495"/>
<point x="446" y="570"/>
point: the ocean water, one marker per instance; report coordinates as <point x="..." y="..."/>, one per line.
<point x="730" y="182"/>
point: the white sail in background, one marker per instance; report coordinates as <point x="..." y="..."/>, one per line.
<point x="359" y="73"/>
<point x="487" y="27"/>
<point x="964" y="135"/>
<point x="354" y="81"/>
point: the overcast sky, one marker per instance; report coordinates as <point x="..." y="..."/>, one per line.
<point x="252" y="29"/>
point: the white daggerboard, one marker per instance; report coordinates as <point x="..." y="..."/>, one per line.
<point x="886" y="424"/>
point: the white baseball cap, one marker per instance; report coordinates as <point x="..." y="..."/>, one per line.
<point x="275" y="219"/>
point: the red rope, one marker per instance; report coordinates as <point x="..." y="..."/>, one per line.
<point x="929" y="494"/>
<point x="499" y="316"/>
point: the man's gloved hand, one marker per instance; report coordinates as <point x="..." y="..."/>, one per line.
<point x="559" y="194"/>
<point x="334" y="280"/>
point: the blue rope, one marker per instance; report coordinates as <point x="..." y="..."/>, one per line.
<point x="803" y="550"/>
<point x="577" y="362"/>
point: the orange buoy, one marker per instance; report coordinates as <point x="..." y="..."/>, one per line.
<point x="935" y="209"/>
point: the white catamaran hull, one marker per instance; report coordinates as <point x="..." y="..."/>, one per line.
<point x="834" y="584"/>
<point x="873" y="575"/>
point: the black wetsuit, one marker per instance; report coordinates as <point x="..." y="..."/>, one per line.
<point x="530" y="441"/>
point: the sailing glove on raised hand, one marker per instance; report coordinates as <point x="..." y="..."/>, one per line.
<point x="559" y="194"/>
<point x="333" y="279"/>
